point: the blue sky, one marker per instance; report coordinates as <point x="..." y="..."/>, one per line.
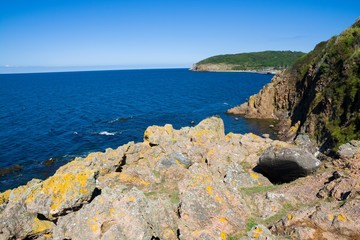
<point x="160" y="33"/>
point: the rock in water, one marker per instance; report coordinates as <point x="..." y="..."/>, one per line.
<point x="287" y="163"/>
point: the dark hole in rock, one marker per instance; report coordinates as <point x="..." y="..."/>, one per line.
<point x="345" y="195"/>
<point x="155" y="238"/>
<point x="286" y="172"/>
<point x="122" y="163"/>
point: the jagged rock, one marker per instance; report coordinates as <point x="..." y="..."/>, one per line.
<point x="209" y="210"/>
<point x="192" y="183"/>
<point x="120" y="213"/>
<point x="67" y="190"/>
<point x="350" y="150"/>
<point x="283" y="164"/>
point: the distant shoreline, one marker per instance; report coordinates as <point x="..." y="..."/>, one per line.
<point x="240" y="71"/>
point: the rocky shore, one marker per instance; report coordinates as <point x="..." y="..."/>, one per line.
<point x="192" y="183"/>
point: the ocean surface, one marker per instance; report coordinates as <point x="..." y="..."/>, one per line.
<point x="65" y="115"/>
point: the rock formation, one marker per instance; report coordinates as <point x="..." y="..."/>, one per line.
<point x="192" y="183"/>
<point x="319" y="95"/>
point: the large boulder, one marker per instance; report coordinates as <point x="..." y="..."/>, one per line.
<point x="285" y="163"/>
<point x="350" y="150"/>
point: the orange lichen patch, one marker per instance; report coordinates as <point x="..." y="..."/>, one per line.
<point x="48" y="235"/>
<point x="330" y="217"/>
<point x="39" y="226"/>
<point x="4" y="197"/>
<point x="63" y="187"/>
<point x="132" y="199"/>
<point x="273" y="208"/>
<point x="209" y="190"/>
<point x="133" y="180"/>
<point x="223" y="220"/>
<point x="290" y="216"/>
<point x="257" y="232"/>
<point x="223" y="235"/>
<point x="341" y="218"/>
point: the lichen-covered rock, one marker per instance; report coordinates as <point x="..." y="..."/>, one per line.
<point x="120" y="213"/>
<point x="192" y="183"/>
<point x="209" y="210"/>
<point x="65" y="191"/>
<point x="283" y="164"/>
<point x="260" y="232"/>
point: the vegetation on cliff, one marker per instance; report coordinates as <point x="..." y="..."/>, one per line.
<point x="251" y="61"/>
<point x="320" y="93"/>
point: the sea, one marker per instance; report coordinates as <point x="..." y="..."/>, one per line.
<point x="48" y="119"/>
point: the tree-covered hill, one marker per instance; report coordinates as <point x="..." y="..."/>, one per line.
<point x="275" y="60"/>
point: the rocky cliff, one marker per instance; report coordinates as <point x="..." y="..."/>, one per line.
<point x="319" y="95"/>
<point x="192" y="183"/>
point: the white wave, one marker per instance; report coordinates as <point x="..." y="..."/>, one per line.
<point x="106" y="133"/>
<point x="225" y="103"/>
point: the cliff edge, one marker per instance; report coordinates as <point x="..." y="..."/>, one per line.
<point x="319" y="95"/>
<point x="192" y="183"/>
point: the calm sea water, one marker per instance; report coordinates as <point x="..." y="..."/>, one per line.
<point x="64" y="115"/>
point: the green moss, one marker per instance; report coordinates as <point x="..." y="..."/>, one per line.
<point x="257" y="189"/>
<point x="250" y="223"/>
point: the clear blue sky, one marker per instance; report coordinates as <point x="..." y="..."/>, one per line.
<point x="161" y="33"/>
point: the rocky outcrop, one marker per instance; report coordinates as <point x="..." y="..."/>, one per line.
<point x="286" y="163"/>
<point x="319" y="95"/>
<point x="192" y="183"/>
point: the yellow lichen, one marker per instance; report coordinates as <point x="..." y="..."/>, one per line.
<point x="179" y="163"/>
<point x="133" y="180"/>
<point x="341" y="218"/>
<point x="223" y="220"/>
<point x="168" y="233"/>
<point x="39" y="226"/>
<point x="132" y="199"/>
<point x="290" y="216"/>
<point x="257" y="232"/>
<point x="219" y="199"/>
<point x="229" y="136"/>
<point x="330" y="217"/>
<point x="4" y="197"/>
<point x="295" y="127"/>
<point x="254" y="175"/>
<point x="223" y="235"/>
<point x="211" y="152"/>
<point x="209" y="190"/>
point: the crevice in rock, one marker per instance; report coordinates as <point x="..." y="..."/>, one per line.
<point x="178" y="233"/>
<point x="178" y="211"/>
<point x="43" y="218"/>
<point x="122" y="163"/>
<point x="153" y="144"/>
<point x="155" y="238"/>
<point x="95" y="193"/>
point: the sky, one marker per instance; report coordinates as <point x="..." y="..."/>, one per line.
<point x="95" y="34"/>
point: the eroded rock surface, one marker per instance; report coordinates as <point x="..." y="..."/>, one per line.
<point x="192" y="183"/>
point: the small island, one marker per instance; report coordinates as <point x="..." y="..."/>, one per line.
<point x="266" y="62"/>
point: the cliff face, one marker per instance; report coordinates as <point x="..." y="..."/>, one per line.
<point x="319" y="95"/>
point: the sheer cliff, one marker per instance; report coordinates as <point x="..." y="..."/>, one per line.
<point x="319" y="95"/>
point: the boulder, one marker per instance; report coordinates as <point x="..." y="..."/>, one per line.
<point x="350" y="150"/>
<point x="284" y="164"/>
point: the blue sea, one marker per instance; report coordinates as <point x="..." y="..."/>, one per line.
<point x="65" y="115"/>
